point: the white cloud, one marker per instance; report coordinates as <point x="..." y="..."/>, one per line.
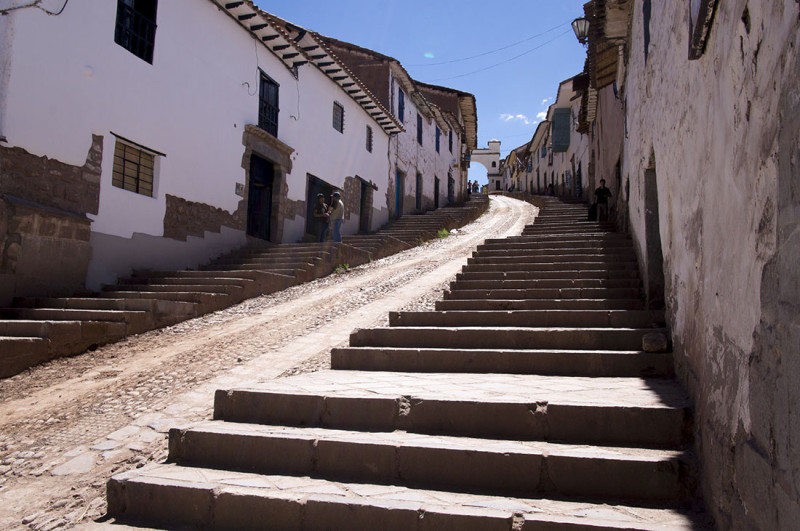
<point x="546" y="100"/>
<point x="518" y="117"/>
<point x="542" y="115"/>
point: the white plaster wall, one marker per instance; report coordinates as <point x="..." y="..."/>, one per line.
<point x="406" y="154"/>
<point x="714" y="128"/>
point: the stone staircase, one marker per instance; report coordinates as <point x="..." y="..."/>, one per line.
<point x="525" y="401"/>
<point x="36" y="330"/>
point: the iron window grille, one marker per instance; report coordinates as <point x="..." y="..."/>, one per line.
<point x="419" y="129"/>
<point x="135" y="29"/>
<point x="450" y="141"/>
<point x="401" y="105"/>
<point x="338" y="117"/>
<point x="268" y="105"/>
<point x="133" y="169"/>
<point x="369" y="139"/>
<point x="438" y="136"/>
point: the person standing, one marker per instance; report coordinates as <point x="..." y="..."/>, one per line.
<point x="320" y="214"/>
<point x="601" y="198"/>
<point x="336" y="212"/>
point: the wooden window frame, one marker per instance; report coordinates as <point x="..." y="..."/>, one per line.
<point x="338" y="117"/>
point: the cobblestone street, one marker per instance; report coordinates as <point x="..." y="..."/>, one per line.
<point x="66" y="427"/>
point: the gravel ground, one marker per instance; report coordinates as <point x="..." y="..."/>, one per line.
<point x="67" y="426"/>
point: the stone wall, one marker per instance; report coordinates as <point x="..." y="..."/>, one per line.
<point x="718" y="139"/>
<point x="184" y="218"/>
<point x="44" y="228"/>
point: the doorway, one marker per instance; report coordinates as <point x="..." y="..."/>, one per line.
<point x="259" y="199"/>
<point x="655" y="256"/>
<point x="451" y="188"/>
<point x="399" y="191"/>
<point x="364" y="208"/>
<point x="418" y="204"/>
<point x="435" y="192"/>
<point x="315" y="186"/>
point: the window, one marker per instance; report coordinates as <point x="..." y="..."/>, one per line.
<point x="136" y="27"/>
<point x="419" y="129"/>
<point x="268" y="105"/>
<point x="438" y="137"/>
<point x="338" y="117"/>
<point x="133" y="169"/>
<point x="450" y="142"/>
<point x="401" y="105"/>
<point x="369" y="139"/>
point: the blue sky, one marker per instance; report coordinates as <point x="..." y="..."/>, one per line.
<point x="458" y="44"/>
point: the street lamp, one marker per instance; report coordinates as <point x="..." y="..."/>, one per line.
<point x="581" y="28"/>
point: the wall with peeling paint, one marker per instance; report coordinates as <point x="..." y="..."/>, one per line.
<point x="719" y="135"/>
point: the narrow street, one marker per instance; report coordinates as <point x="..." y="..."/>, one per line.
<point x="66" y="427"/>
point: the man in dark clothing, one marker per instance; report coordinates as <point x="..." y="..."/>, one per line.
<point x="601" y="198"/>
<point x="321" y="218"/>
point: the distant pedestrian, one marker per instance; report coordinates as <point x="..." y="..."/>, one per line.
<point x="601" y="199"/>
<point x="551" y="190"/>
<point x="469" y="187"/>
<point x="320" y="214"/>
<point x="475" y="186"/>
<point x="336" y="212"/>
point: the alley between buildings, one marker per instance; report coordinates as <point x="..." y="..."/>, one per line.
<point x="66" y="427"/>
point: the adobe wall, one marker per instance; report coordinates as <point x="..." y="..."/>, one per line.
<point x="44" y="228"/>
<point x="720" y="135"/>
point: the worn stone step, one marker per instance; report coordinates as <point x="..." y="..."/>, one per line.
<point x="545" y="293"/>
<point x="210" y="289"/>
<point x="561" y="255"/>
<point x="136" y="321"/>
<point x="532" y="318"/>
<point x="539" y="304"/>
<point x="164" y="312"/>
<point x="204" y="497"/>
<point x="598" y="274"/>
<point x="18" y="353"/>
<point x="593" y="363"/>
<point x="616" y="261"/>
<point x="557" y="244"/>
<point x="475" y="465"/>
<point x="600" y="410"/>
<point x="557" y="283"/>
<point x="573" y="270"/>
<point x="285" y="261"/>
<point x="204" y="302"/>
<point x="502" y="338"/>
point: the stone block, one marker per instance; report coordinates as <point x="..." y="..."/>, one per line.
<point x="238" y="509"/>
<point x="353" y="461"/>
<point x="376" y="414"/>
<point x="655" y="342"/>
<point x="328" y="512"/>
<point x="259" y="407"/>
<point x="161" y="500"/>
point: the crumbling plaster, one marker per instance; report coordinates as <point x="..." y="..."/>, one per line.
<point x="722" y="133"/>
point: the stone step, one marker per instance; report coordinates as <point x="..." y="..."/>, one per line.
<point x="559" y="283"/>
<point x="545" y="293"/>
<point x="557" y="244"/>
<point x="539" y="304"/>
<point x="560" y="255"/>
<point x="473" y="465"/>
<point x="613" y="260"/>
<point x="593" y="237"/>
<point x="220" y="499"/>
<point x="210" y="289"/>
<point x="502" y="338"/>
<point x="136" y="321"/>
<point x="204" y="302"/>
<point x="297" y="261"/>
<point x="164" y="312"/>
<point x="573" y="269"/>
<point x="468" y="274"/>
<point x="18" y="353"/>
<point x="616" y="363"/>
<point x="532" y="318"/>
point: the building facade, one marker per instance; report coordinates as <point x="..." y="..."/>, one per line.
<point x="707" y="161"/>
<point x="127" y="141"/>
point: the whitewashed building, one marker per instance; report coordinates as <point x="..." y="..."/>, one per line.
<point x="130" y="139"/>
<point x="429" y="159"/>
